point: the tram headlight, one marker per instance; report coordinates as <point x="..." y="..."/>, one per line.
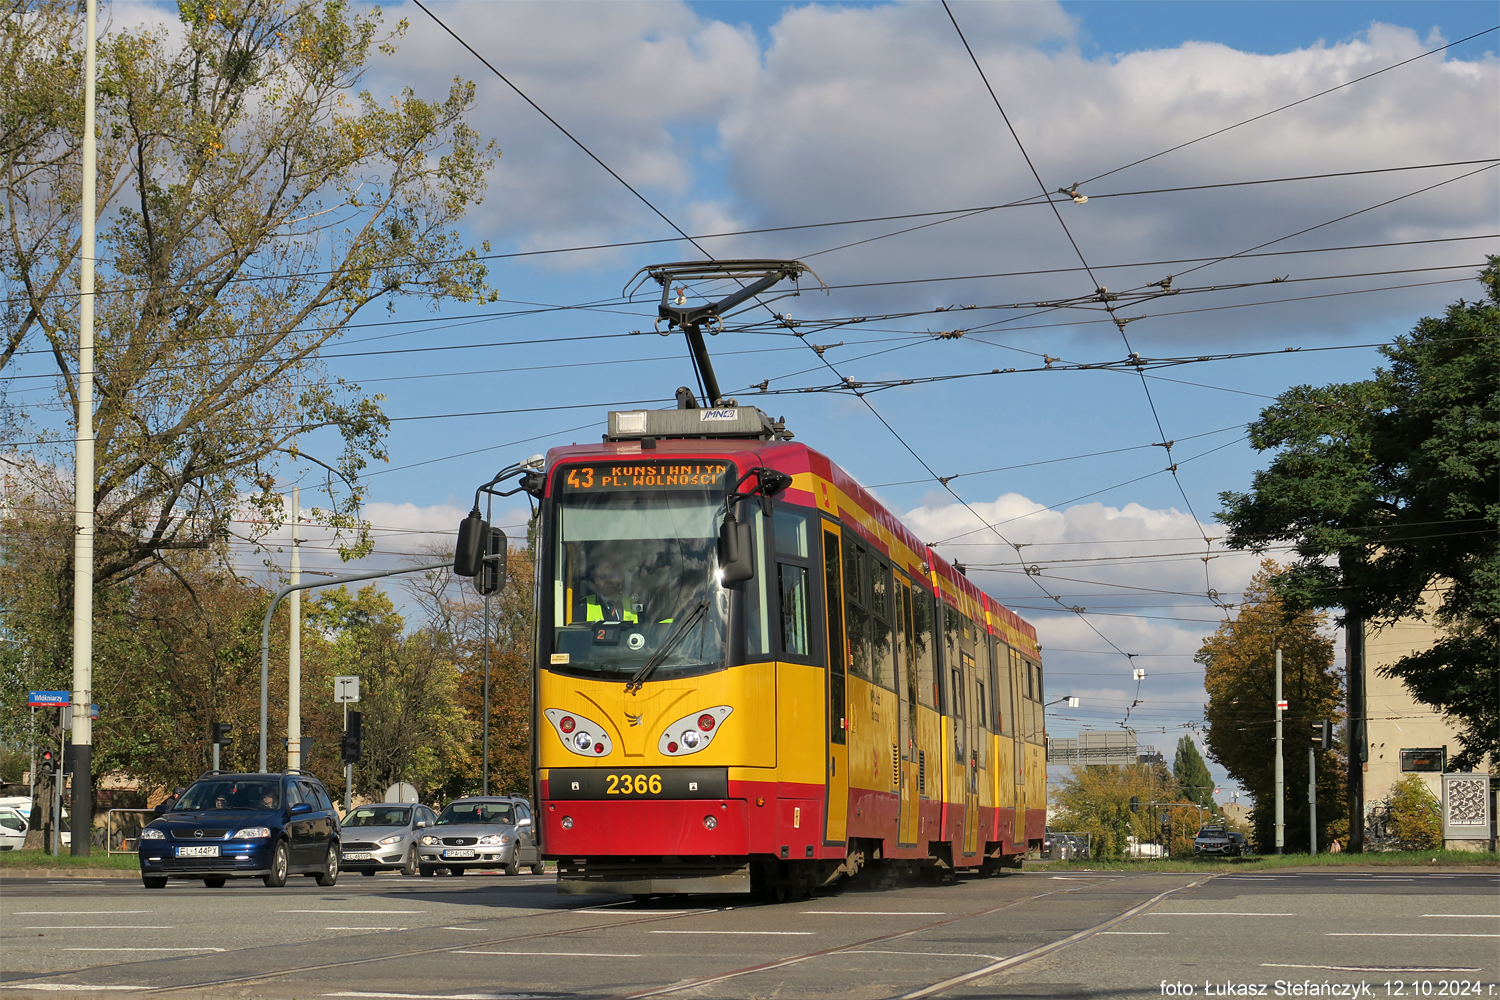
<point x="567" y="822"/>
<point x="710" y="822"/>
<point x="693" y="733"/>
<point x="582" y="741"/>
<point x="579" y="734"/>
<point x="690" y="739"/>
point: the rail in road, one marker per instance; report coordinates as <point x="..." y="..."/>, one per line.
<point x="491" y="938"/>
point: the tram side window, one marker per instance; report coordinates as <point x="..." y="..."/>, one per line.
<point x="905" y="629"/>
<point x="793" y="582"/>
<point x="1005" y="722"/>
<point x="882" y="650"/>
<point x="837" y="656"/>
<point x="1040" y="725"/>
<point x="928" y="689"/>
<point x="952" y="628"/>
<point x="793" y="592"/>
<point x="856" y="603"/>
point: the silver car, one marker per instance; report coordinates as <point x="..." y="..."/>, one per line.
<point x="383" y="837"/>
<point x="481" y="832"/>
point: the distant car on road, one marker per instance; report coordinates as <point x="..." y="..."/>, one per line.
<point x="1219" y="840"/>
<point x="383" y="837"/>
<point x="226" y="826"/>
<point x="481" y="832"/>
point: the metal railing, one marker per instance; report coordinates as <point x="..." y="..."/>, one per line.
<point x="129" y="833"/>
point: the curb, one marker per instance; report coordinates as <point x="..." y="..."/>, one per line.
<point x="88" y="873"/>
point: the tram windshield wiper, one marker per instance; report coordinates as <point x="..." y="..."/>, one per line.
<point x="682" y="629"/>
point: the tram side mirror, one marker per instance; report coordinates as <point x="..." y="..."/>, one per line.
<point x="736" y="551"/>
<point x="491" y="578"/>
<point x="469" y="553"/>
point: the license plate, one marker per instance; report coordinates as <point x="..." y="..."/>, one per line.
<point x="458" y="854"/>
<point x="356" y="855"/>
<point x="196" y="851"/>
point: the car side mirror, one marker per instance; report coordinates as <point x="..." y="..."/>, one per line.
<point x="523" y="822"/>
<point x="300" y="808"/>
<point x="421" y="824"/>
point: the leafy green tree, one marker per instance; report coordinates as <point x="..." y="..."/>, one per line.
<point x="1416" y="816"/>
<point x="1240" y="676"/>
<point x="1194" y="783"/>
<point x="1386" y="489"/>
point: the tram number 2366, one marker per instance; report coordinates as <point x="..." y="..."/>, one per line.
<point x="632" y="784"/>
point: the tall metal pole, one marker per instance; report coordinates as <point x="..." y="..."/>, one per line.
<point x="83" y="478"/>
<point x="348" y="771"/>
<point x="1280" y="775"/>
<point x="483" y="573"/>
<point x="294" y="645"/>
<point x="1312" y="800"/>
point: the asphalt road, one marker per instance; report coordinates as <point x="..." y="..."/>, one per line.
<point x="1076" y="934"/>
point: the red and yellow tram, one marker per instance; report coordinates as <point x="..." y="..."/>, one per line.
<point x="774" y="704"/>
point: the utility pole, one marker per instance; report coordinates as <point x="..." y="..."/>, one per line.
<point x="1312" y="800"/>
<point x="83" y="478"/>
<point x="294" y="645"/>
<point x="1280" y="775"/>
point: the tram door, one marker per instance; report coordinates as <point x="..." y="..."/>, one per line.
<point x="836" y="810"/>
<point x="972" y="747"/>
<point x="1018" y="727"/>
<point x="906" y="720"/>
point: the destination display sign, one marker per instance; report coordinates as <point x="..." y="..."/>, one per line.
<point x="605" y="476"/>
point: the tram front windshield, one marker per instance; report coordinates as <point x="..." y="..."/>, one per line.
<point x="635" y="571"/>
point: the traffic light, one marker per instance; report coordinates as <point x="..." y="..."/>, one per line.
<point x="221" y="731"/>
<point x="1135" y="803"/>
<point x="48" y="764"/>
<point x="491" y="578"/>
<point x="349" y="746"/>
<point x="1322" y="734"/>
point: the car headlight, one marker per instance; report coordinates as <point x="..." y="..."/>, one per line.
<point x="429" y="841"/>
<point x="492" y="840"/>
<point x="394" y="840"/>
<point x="152" y="834"/>
<point x="252" y="833"/>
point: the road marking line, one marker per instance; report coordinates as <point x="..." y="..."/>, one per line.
<point x="143" y="949"/>
<point x="476" y="930"/>
<point x="737" y="933"/>
<point x="77" y="913"/>
<point x="1139" y="933"/>
<point x="924" y="954"/>
<point x="1491" y="916"/>
<point x="364" y="928"/>
<point x="100" y="927"/>
<point x="62" y="987"/>
<point x="1217" y="913"/>
<point x="551" y="954"/>
<point x="443" y="996"/>
<point x="402" y="913"/>
<point x="1404" y="934"/>
<point x="1365" y="968"/>
<point x="878" y="913"/>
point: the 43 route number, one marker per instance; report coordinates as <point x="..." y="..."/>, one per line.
<point x="637" y="784"/>
<point x="582" y="478"/>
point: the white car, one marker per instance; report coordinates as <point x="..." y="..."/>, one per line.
<point x="1136" y="849"/>
<point x="12" y="829"/>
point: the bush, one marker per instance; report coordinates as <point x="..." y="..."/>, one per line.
<point x="1416" y="816"/>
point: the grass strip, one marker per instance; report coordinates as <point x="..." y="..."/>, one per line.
<point x="44" y="859"/>
<point x="1372" y="859"/>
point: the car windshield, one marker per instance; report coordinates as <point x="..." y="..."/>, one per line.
<point x="230" y="793"/>
<point x="378" y="816"/>
<point x="635" y="570"/>
<point x="478" y="812"/>
<point x="1212" y="831"/>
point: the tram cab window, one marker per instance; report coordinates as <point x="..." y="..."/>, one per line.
<point x="634" y="570"/>
<point x="882" y="649"/>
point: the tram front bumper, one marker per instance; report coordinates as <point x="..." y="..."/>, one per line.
<point x="644" y="827"/>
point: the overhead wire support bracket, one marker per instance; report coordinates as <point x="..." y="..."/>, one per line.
<point x="753" y="277"/>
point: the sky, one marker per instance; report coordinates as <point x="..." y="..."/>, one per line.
<point x="739" y="116"/>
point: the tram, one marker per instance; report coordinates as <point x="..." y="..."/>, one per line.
<point x="751" y="676"/>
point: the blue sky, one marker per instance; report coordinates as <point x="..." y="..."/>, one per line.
<point x="732" y="116"/>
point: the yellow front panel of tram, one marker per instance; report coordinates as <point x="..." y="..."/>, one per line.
<point x="636" y="722"/>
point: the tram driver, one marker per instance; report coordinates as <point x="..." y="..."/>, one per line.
<point x="603" y="596"/>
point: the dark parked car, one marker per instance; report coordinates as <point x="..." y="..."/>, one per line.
<point x="225" y="826"/>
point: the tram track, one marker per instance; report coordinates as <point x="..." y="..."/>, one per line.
<point x="942" y="985"/>
<point x="1000" y="965"/>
